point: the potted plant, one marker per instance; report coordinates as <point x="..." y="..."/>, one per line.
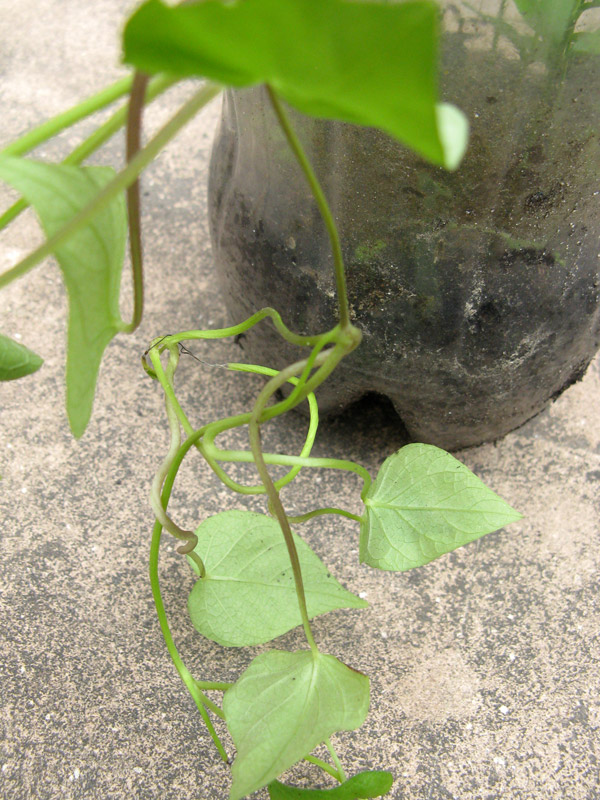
<point x="477" y="289"/>
<point x="284" y="703"/>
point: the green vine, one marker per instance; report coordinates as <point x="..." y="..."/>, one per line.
<point x="256" y="578"/>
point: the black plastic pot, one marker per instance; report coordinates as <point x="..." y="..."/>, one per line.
<point x="477" y="291"/>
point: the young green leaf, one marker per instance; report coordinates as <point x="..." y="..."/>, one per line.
<point x="247" y="595"/>
<point x="454" y="133"/>
<point x="283" y="706"/>
<point x="370" y="62"/>
<point x="91" y="262"/>
<point x="16" y="360"/>
<point x="358" y="787"/>
<point x="423" y="504"/>
<point x="587" y="42"/>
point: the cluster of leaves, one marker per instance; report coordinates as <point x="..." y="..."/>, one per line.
<point x="424" y="503"/>
<point x="369" y="62"/>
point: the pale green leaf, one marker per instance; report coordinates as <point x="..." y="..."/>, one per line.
<point x="283" y="706"/>
<point x="550" y="19"/>
<point x="369" y="62"/>
<point x="454" y="133"/>
<point x="358" y="787"/>
<point x="247" y="595"/>
<point x="16" y="360"/>
<point x="587" y="42"/>
<point x="423" y="504"/>
<point x="90" y="261"/>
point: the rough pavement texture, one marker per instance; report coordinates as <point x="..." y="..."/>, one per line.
<point x="484" y="664"/>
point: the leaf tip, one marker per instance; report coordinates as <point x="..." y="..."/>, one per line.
<point x="453" y="132"/>
<point x="77" y="423"/>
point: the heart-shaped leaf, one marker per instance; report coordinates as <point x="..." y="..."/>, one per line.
<point x="283" y="706"/>
<point x="358" y="787"/>
<point x="370" y="62"/>
<point x="91" y="262"/>
<point x="423" y="504"/>
<point x="247" y="595"/>
<point x="16" y="360"/>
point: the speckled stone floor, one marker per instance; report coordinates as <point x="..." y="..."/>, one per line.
<point x="484" y="664"/>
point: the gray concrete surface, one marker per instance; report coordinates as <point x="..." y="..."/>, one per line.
<point x="484" y="664"/>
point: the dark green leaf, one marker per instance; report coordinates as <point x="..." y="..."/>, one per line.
<point x="283" y="706"/>
<point x="423" y="504"/>
<point x="370" y="62"/>
<point x="16" y="360"/>
<point x="91" y="262"/>
<point x="247" y="595"/>
<point x="363" y="785"/>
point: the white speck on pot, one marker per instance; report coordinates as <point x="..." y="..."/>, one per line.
<point x="138" y="770"/>
<point x="384" y="635"/>
<point x="499" y="760"/>
<point x="512" y="656"/>
<point x="503" y="710"/>
<point x="362" y="595"/>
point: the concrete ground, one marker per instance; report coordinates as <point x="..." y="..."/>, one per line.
<point x="484" y="664"/>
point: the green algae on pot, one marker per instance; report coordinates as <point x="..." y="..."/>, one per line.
<point x="477" y="291"/>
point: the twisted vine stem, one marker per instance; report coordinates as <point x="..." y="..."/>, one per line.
<point x="305" y="375"/>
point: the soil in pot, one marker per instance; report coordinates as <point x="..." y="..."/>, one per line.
<point x="478" y="292"/>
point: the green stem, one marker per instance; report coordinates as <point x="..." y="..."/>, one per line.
<point x="310" y="364"/>
<point x="242" y="327"/>
<point x="189" y="537"/>
<point x="118" y="184"/>
<point x="274" y="499"/>
<point x="203" y="439"/>
<point x="323" y="205"/>
<point x="346" y="341"/>
<point x="273" y="494"/>
<point x="326" y="363"/>
<point x="133" y="145"/>
<point x="335" y="759"/>
<point x="282" y="460"/>
<point x="195" y="687"/>
<point x="324" y="766"/>
<point x="206" y="448"/>
<point x="52" y="127"/>
<point x="312" y="425"/>
<point x="319" y="512"/>
<point x="101" y="135"/>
